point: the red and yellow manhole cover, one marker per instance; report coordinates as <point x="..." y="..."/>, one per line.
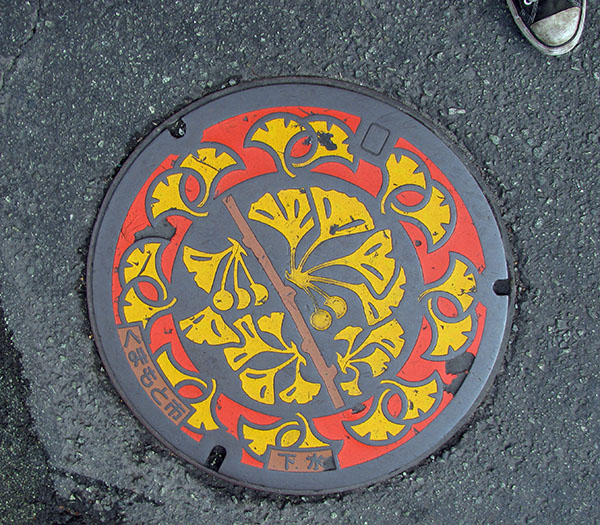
<point x="299" y="286"/>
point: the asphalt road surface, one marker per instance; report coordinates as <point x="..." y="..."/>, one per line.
<point x="82" y="82"/>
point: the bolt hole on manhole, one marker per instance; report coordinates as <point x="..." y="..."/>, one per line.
<point x="307" y="274"/>
<point x="215" y="458"/>
<point x="177" y="129"/>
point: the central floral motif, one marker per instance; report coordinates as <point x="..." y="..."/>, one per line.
<point x="254" y="345"/>
<point x="337" y="215"/>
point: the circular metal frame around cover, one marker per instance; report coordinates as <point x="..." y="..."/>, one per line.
<point x="299" y="286"/>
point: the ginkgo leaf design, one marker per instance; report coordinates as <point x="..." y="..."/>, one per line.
<point x="301" y="390"/>
<point x="434" y="213"/>
<point x="276" y="134"/>
<point x="279" y="134"/>
<point x="295" y="433"/>
<point x="142" y="266"/>
<point x="420" y="400"/>
<point x="289" y="217"/>
<point x="331" y="141"/>
<point x="452" y="333"/>
<point x="208" y="163"/>
<point x="293" y="214"/>
<point x="167" y="196"/>
<point x="380" y="346"/>
<point x="205" y="267"/>
<point x="370" y="259"/>
<point x="259" y="383"/>
<point x="207" y="326"/>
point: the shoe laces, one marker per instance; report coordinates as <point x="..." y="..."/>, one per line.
<point x="529" y="2"/>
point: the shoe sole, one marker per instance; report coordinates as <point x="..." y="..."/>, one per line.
<point x="549" y="50"/>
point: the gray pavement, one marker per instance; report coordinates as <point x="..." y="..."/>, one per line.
<point x="82" y="82"/>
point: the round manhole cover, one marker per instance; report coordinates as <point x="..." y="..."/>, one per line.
<point x="299" y="286"/>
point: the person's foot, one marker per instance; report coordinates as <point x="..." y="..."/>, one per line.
<point x="554" y="27"/>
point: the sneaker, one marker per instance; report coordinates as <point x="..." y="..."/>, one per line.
<point x="554" y="27"/>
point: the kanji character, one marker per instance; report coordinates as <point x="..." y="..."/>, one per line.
<point x="175" y="409"/>
<point x="289" y="459"/>
<point x="316" y="462"/>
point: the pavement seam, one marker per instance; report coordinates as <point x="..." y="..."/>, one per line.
<point x="7" y="73"/>
<point x="88" y="481"/>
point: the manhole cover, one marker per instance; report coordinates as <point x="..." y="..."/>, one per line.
<point x="298" y="286"/>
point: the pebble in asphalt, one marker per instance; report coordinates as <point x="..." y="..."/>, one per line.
<point x="81" y="84"/>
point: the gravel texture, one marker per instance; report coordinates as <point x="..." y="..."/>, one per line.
<point x="82" y="82"/>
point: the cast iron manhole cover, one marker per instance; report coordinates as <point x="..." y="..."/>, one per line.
<point x="299" y="286"/>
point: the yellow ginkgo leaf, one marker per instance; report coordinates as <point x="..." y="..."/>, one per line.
<point x="289" y="217"/>
<point x="143" y="263"/>
<point x="378" y="348"/>
<point x="207" y="326"/>
<point x="434" y="216"/>
<point x="136" y="309"/>
<point x="276" y="134"/>
<point x="377" y="427"/>
<point x="301" y="390"/>
<point x="260" y="384"/>
<point x="403" y="172"/>
<point x="295" y="433"/>
<point x="254" y="344"/>
<point x="451" y="336"/>
<point x="377" y="361"/>
<point x="166" y="197"/>
<point x="419" y="401"/>
<point x="375" y="309"/>
<point x="203" y="265"/>
<point x="351" y="387"/>
<point x="434" y="212"/>
<point x="339" y="215"/>
<point x="348" y="334"/>
<point x="273" y="324"/>
<point x="202" y="416"/>
<point x="335" y="215"/>
<point x="260" y="438"/>
<point x="389" y="336"/>
<point x="370" y="259"/>
<point x="208" y="165"/>
<point x="460" y="283"/>
<point x="420" y="398"/>
<point x="331" y="142"/>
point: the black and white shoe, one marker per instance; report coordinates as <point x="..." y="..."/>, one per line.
<point x="554" y="27"/>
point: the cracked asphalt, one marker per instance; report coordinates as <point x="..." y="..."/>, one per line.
<point x="82" y="83"/>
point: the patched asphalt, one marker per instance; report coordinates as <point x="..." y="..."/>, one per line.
<point x="81" y="84"/>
